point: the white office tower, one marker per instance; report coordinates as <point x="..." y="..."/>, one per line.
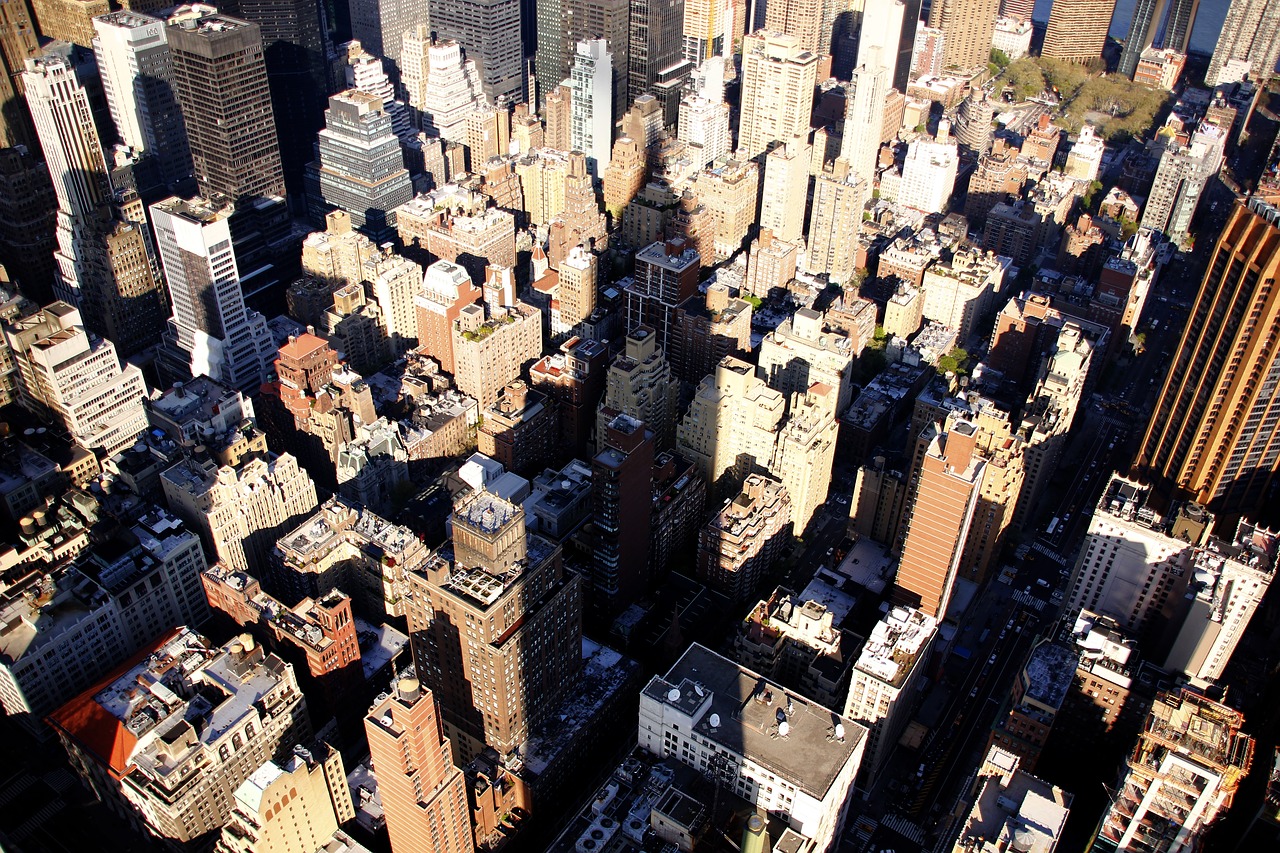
<point x="211" y="331"/>
<point x="137" y="79"/>
<point x="786" y="189"/>
<point x="1181" y="177"/>
<point x="366" y="73"/>
<point x="864" y="116"/>
<point x="591" y="108"/>
<point x="929" y="174"/>
<point x="1248" y="45"/>
<point x="442" y="87"/>
<point x="381" y="25"/>
<point x="60" y="109"/>
<point x="880" y="34"/>
<point x="777" y="750"/>
<point x="65" y="373"/>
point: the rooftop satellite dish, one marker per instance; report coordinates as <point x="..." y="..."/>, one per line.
<point x="715" y="721"/>
<point x="673" y="695"/>
<point x="784" y="729"/>
<point x="839" y="731"/>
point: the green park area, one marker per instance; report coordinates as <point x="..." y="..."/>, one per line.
<point x="1118" y="107"/>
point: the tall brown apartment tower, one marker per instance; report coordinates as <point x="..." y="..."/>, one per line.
<point x="1077" y="30"/>
<point x="424" y="796"/>
<point x="496" y="627"/>
<point x="967" y="27"/>
<point x="621" y="500"/>
<point x="1214" y="435"/>
<point x="220" y="77"/>
<point x="950" y="480"/>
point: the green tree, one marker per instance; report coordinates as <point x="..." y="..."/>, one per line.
<point x="999" y="58"/>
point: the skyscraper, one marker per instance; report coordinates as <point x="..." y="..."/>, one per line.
<point x="527" y="617"/>
<point x="380" y="25"/>
<point x="708" y="29"/>
<point x="834" y="220"/>
<point x="1249" y="43"/>
<point x="882" y="23"/>
<point x="137" y="78"/>
<point x="786" y="189"/>
<point x="1177" y="18"/>
<point x="220" y="75"/>
<point x="1077" y="30"/>
<point x="591" y="118"/>
<point x="656" y="42"/>
<point x="424" y="796"/>
<point x="564" y="23"/>
<point x="106" y="263"/>
<point x="864" y="117"/>
<point x="1181" y="177"/>
<point x="60" y="108"/>
<point x="621" y="495"/>
<point x="778" y="76"/>
<point x="28" y="222"/>
<point x="17" y="44"/>
<point x="800" y="19"/>
<point x="360" y="169"/>
<point x="212" y="332"/>
<point x="1213" y="433"/>
<point x="489" y="32"/>
<point x="938" y="524"/>
<point x="967" y="27"/>
<point x="295" y="49"/>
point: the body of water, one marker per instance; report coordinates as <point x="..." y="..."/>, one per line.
<point x="1204" y="35"/>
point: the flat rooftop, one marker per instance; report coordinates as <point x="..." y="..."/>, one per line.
<point x="750" y="710"/>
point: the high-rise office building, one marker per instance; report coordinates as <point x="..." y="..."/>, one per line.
<point x="786" y="189"/>
<point x="709" y="29"/>
<point x="490" y="34"/>
<point x="938" y="524"/>
<point x="967" y="27"/>
<point x="527" y="613"/>
<point x="106" y="264"/>
<point x="137" y="78"/>
<point x="64" y="123"/>
<point x="591" y="110"/>
<point x="66" y="374"/>
<point x="1077" y="30"/>
<point x="140" y="751"/>
<point x="1157" y="23"/>
<point x="805" y="349"/>
<point x="778" y="76"/>
<point x="800" y="19"/>
<point x="211" y="332"/>
<point x="69" y="20"/>
<point x="1183" y="773"/>
<point x="656" y="43"/>
<point x="729" y="190"/>
<point x="1248" y="45"/>
<point x="704" y="127"/>
<point x="564" y="23"/>
<point x="1213" y="432"/>
<point x="220" y="76"/>
<point x="443" y="86"/>
<point x="423" y="794"/>
<point x="380" y="25"/>
<point x="361" y="169"/>
<point x="834" y="221"/>
<point x="295" y="48"/>
<point x="864" y="117"/>
<point x="18" y="43"/>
